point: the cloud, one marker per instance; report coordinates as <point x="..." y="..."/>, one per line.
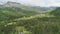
<point x="54" y="3"/>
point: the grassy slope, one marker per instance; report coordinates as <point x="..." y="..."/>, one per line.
<point x="8" y="14"/>
<point x="42" y="22"/>
<point x="36" y="24"/>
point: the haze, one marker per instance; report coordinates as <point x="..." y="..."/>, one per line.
<point x="42" y="3"/>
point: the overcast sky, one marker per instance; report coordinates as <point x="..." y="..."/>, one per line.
<point x="43" y="3"/>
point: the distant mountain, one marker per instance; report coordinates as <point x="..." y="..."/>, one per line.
<point x="15" y="10"/>
<point x="10" y="4"/>
<point x="31" y="8"/>
<point x="43" y="8"/>
<point x="18" y="5"/>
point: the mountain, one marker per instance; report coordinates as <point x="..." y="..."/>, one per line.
<point x="18" y="5"/>
<point x="9" y="11"/>
<point x="16" y="18"/>
<point x="31" y="8"/>
<point x="13" y="10"/>
<point x="56" y="12"/>
<point x="43" y="9"/>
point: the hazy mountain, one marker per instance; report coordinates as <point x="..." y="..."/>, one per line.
<point x="24" y="7"/>
<point x="43" y="8"/>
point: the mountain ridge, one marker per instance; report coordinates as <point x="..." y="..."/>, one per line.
<point x="34" y="8"/>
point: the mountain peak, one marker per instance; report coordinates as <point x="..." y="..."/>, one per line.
<point x="13" y="2"/>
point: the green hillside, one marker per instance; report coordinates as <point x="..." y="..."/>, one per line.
<point x="56" y="12"/>
<point x="15" y="20"/>
<point x="14" y="12"/>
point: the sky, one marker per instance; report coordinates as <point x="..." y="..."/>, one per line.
<point x="42" y="3"/>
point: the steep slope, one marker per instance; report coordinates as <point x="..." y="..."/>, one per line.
<point x="7" y="15"/>
<point x="56" y="12"/>
<point x="10" y="13"/>
<point x="19" y="8"/>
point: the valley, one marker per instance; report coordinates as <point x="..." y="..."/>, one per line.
<point x="19" y="19"/>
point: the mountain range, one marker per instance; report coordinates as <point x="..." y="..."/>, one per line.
<point x="34" y="8"/>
